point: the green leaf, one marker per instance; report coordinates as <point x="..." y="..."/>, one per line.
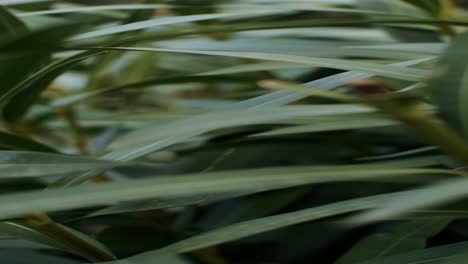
<point x="151" y="258"/>
<point x="22" y="256"/>
<point x="257" y="180"/>
<point x="14" y="67"/>
<point x="152" y="138"/>
<point x="10" y="26"/>
<point x="22" y="96"/>
<point x="159" y="203"/>
<point x="409" y="74"/>
<point x="449" y="85"/>
<point x="432" y="7"/>
<point x="44" y="234"/>
<point x="19" y="229"/>
<point x="69" y="100"/>
<point x="34" y="50"/>
<point x="274" y="98"/>
<point x="224" y="7"/>
<point x="261" y="225"/>
<point x="459" y="259"/>
<point x="21" y="2"/>
<point x="419" y="198"/>
<point x="153" y="23"/>
<point x="327" y="83"/>
<point x="433" y="48"/>
<point x="94" y="8"/>
<point x="14" y="142"/>
<point x="434" y="255"/>
<point x="400" y="238"/>
<point x="331" y="124"/>
<point x="18" y="164"/>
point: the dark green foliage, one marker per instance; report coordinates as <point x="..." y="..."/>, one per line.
<point x="221" y="132"/>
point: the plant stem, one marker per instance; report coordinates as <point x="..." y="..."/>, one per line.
<point x="430" y="127"/>
<point x="410" y="113"/>
<point x="70" y="117"/>
<point x="75" y="242"/>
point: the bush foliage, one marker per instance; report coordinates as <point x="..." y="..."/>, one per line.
<point x="243" y="131"/>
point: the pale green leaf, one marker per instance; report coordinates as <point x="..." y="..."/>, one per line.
<point x="257" y="180"/>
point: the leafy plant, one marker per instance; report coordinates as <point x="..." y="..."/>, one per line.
<point x="235" y="131"/>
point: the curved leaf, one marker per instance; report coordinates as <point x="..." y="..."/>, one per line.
<point x="257" y="180"/>
<point x="449" y="86"/>
<point x="409" y="74"/>
<point x="18" y="164"/>
<point x="10" y="26"/>
<point x="400" y="238"/>
<point x="14" y="142"/>
<point x="23" y="95"/>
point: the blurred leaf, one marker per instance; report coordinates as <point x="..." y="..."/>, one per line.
<point x="10" y="26"/>
<point x="15" y="256"/>
<point x="150" y="258"/>
<point x="152" y="138"/>
<point x="14" y="142"/>
<point x="91" y="9"/>
<point x="433" y="255"/>
<point x="157" y="203"/>
<point x="21" y="230"/>
<point x="261" y="225"/>
<point x="14" y="67"/>
<point x="459" y="259"/>
<point x="23" y="95"/>
<point x="327" y="83"/>
<point x="398" y="239"/>
<point x="67" y="101"/>
<point x="17" y="164"/>
<point x="435" y="8"/>
<point x="405" y="33"/>
<point x="34" y="50"/>
<point x="20" y="2"/>
<point x="343" y="123"/>
<point x="409" y="74"/>
<point x="449" y="86"/>
<point x="207" y="183"/>
<point x="49" y="234"/>
<point x="275" y="98"/>
<point x="153" y="23"/>
<point x="419" y="198"/>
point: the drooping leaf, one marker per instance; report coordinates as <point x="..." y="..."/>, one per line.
<point x="24" y="256"/>
<point x="327" y="83"/>
<point x="20" y="230"/>
<point x="258" y="180"/>
<point x="409" y="74"/>
<point x="22" y="96"/>
<point x="10" y="141"/>
<point x="153" y="23"/>
<point x="435" y="8"/>
<point x="271" y="99"/>
<point x="33" y="50"/>
<point x="49" y="234"/>
<point x="14" y="67"/>
<point x="211" y="121"/>
<point x="419" y="198"/>
<point x="162" y="203"/>
<point x="449" y="85"/>
<point x="434" y="255"/>
<point x="261" y="225"/>
<point x="10" y="26"/>
<point x="18" y="164"/>
<point x="398" y="239"/>
<point x="150" y="258"/>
